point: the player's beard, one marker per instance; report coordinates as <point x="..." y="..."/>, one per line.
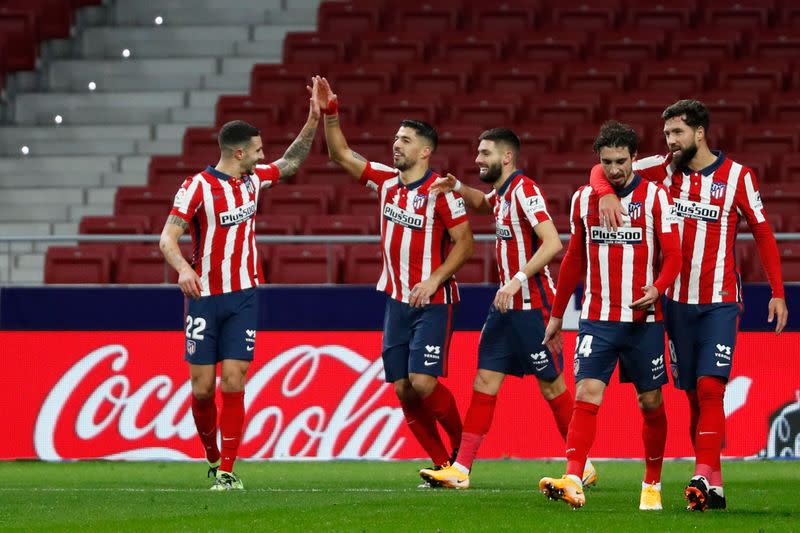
<point x="492" y="174"/>
<point x="684" y="156"/>
<point x="404" y="164"/>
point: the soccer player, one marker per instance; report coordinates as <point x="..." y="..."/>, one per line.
<point x="511" y="339"/>
<point x="621" y="315"/>
<point x="218" y="207"/>
<point x="416" y="229"/>
<point x="711" y="192"/>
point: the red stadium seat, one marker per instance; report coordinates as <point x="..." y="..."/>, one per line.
<point x="510" y="16"/>
<point x="709" y="44"/>
<point x="785" y="107"/>
<point x="741" y="15"/>
<point x="54" y="18"/>
<point x="115" y="224"/>
<point x="396" y="47"/>
<point x="486" y="110"/>
<point x="527" y="78"/>
<point x="583" y="136"/>
<point x="75" y="264"/>
<point x="269" y="224"/>
<point x="305" y="263"/>
<point x="391" y="109"/>
<point x="790" y="260"/>
<point x="22" y="38"/>
<point x="566" y="108"/>
<point x="271" y="80"/>
<point x="755" y="75"/>
<point x="601" y="76"/>
<point x="555" y="265"/>
<point x="541" y="138"/>
<point x="478" y="268"/>
<point x="135" y="200"/>
<point x="297" y="199"/>
<point x="772" y="138"/>
<point x="561" y="222"/>
<point x="557" y="45"/>
<point x="641" y="107"/>
<point x="780" y="197"/>
<point x="672" y="15"/>
<point x="365" y="79"/>
<point x="375" y="144"/>
<point x="143" y="265"/>
<point x="171" y="171"/>
<point x="348" y="18"/>
<point x="261" y="113"/>
<point x="674" y="77"/>
<point x="789" y="14"/>
<point x="321" y="171"/>
<point x="201" y="144"/>
<point x="778" y="43"/>
<point x="761" y="163"/>
<point x="629" y="44"/>
<point x="437" y="79"/>
<point x="471" y="47"/>
<point x="311" y="47"/>
<point x="570" y="168"/>
<point x="558" y="193"/>
<point x="358" y="200"/>
<point x="790" y="168"/>
<point x="729" y="107"/>
<point x="363" y="264"/>
<point x="341" y="225"/>
<point x="457" y="142"/>
<point x="433" y="17"/>
<point x="595" y="15"/>
<point x="481" y="224"/>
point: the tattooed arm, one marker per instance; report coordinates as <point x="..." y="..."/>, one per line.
<point x="299" y="149"/>
<point x="188" y="280"/>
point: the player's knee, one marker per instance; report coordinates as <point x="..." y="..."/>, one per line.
<point x="590" y="391"/>
<point x="423" y="384"/>
<point x="710" y="388"/>
<point x="486" y="384"/>
<point x="232" y="382"/>
<point x="203" y="391"/>
<point x="404" y="390"/>
<point x="650" y="400"/>
<point x="553" y="388"/>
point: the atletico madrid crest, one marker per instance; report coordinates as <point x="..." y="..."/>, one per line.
<point x="419" y="201"/>
<point x="634" y="210"/>
<point x="717" y="190"/>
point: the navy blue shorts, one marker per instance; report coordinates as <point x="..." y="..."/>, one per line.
<point x="511" y="343"/>
<point x="221" y="326"/>
<point x="702" y="338"/>
<point x="638" y="346"/>
<point x="416" y="339"/>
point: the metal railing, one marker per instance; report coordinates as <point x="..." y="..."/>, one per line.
<point x="7" y="242"/>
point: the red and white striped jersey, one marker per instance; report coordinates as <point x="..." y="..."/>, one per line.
<point x="709" y="204"/>
<point x="518" y="207"/>
<point x="221" y="213"/>
<point x="619" y="263"/>
<point x="414" y="224"/>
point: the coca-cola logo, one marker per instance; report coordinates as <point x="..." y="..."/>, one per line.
<point x="308" y="401"/>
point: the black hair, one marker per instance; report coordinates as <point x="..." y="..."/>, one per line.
<point x="235" y="134"/>
<point x="424" y="130"/>
<point x="695" y="112"/>
<point x="615" y="134"/>
<point x="503" y="135"/>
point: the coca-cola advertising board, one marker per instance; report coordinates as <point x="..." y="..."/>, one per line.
<point x="320" y="395"/>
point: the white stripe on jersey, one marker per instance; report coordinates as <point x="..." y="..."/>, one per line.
<point x="584" y="209"/>
<point x="405" y="248"/>
<point x="520" y="239"/>
<point x="387" y="272"/>
<point x="427" y="250"/>
<point x="211" y="223"/>
<point x="626" y="283"/>
<point x="722" y="250"/>
<point x="230" y="237"/>
<point x="753" y="199"/>
<point x="699" y="245"/>
<point x="676" y="288"/>
<point x="244" y="278"/>
<point x="654" y="194"/>
<point x="183" y="204"/>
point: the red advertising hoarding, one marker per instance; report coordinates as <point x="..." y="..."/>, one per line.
<point x="125" y="395"/>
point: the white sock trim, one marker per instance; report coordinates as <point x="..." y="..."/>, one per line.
<point x="656" y="486"/>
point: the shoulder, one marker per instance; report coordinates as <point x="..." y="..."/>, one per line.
<point x="652" y="161"/>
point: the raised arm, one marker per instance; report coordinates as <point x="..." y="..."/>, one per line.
<point x="474" y="198"/>
<point x="338" y="150"/>
<point x="300" y="148"/>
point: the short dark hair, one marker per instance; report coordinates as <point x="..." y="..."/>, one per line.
<point x="615" y="134"/>
<point x="503" y="135"/>
<point x="423" y="129"/>
<point x="695" y="112"/>
<point x="235" y="134"/>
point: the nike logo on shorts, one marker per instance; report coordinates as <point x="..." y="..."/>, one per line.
<point x="723" y="364"/>
<point x="658" y="375"/>
<point x="250" y="348"/>
<point x="430" y="363"/>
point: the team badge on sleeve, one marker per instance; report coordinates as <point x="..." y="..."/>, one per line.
<point x="533" y="205"/>
<point x="179" y="197"/>
<point x="458" y="208"/>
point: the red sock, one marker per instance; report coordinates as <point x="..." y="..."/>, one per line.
<point x="476" y="426"/>
<point x="654" y="435"/>
<point x="710" y="425"/>
<point x="443" y="406"/>
<point x="562" y="406"/>
<point x="422" y="424"/>
<point x="580" y="436"/>
<point x="231" y="421"/>
<point x="205" y="419"/>
<point x="694" y="413"/>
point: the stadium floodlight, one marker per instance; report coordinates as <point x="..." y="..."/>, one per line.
<point x="25" y="150"/>
<point x="159" y="20"/>
<point x="92" y="86"/>
<point x="58" y="119"/>
<point x="126" y="52"/>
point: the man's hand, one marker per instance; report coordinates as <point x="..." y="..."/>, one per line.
<point x="421" y="292"/>
<point x="505" y="295"/>
<point x="313" y="103"/>
<point x="611" y="212"/>
<point x="324" y="95"/>
<point x="650" y="297"/>
<point x="553" y="338"/>
<point x="444" y="185"/>
<point x="777" y="308"/>
<point x="189" y="282"/>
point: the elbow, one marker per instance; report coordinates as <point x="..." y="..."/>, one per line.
<point x="469" y="246"/>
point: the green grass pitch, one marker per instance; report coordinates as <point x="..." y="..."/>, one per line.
<point x="370" y="496"/>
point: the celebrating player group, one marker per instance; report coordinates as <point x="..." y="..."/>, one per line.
<point x="652" y="240"/>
